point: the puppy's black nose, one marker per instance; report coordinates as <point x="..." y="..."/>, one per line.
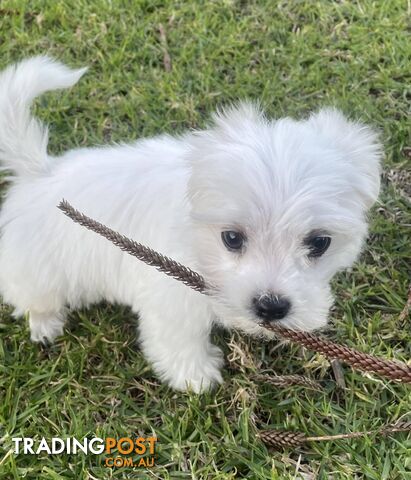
<point x="271" y="307"/>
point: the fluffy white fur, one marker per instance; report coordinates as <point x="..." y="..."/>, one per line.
<point x="274" y="180"/>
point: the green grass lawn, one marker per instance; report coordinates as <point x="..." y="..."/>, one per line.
<point x="294" y="56"/>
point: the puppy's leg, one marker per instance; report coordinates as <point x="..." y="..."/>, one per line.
<point x="45" y="307"/>
<point x="175" y="338"/>
<point x="45" y="326"/>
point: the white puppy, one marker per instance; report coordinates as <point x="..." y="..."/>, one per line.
<point x="267" y="210"/>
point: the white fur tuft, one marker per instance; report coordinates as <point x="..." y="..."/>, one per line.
<point x="23" y="139"/>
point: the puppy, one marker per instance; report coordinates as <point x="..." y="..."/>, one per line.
<point x="267" y="210"/>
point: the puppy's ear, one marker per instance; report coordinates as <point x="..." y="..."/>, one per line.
<point x="359" y="146"/>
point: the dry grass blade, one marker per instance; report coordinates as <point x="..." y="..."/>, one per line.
<point x="288" y="381"/>
<point x="166" y="56"/>
<point x="405" y="313"/>
<point x="338" y="373"/>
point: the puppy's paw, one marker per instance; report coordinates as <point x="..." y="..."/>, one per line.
<point x="198" y="374"/>
<point x="44" y="328"/>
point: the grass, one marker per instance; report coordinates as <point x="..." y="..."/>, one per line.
<point x="293" y="56"/>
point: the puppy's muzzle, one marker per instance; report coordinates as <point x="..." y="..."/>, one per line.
<point x="270" y="307"/>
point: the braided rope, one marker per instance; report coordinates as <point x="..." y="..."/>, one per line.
<point x="145" y="254"/>
<point x="392" y="370"/>
<point x="282" y="438"/>
<point x="285" y="438"/>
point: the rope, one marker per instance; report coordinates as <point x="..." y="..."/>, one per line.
<point x="390" y="369"/>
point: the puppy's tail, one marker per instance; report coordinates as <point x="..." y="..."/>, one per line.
<point x="23" y="139"/>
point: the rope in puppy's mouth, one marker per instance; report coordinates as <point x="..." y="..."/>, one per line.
<point x="390" y="369"/>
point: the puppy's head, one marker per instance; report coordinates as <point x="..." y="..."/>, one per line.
<point x="277" y="208"/>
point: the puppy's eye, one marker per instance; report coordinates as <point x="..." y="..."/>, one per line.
<point x="317" y="245"/>
<point x="233" y="240"/>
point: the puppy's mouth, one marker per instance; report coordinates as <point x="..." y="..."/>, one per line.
<point x="284" y="323"/>
<point x="245" y="318"/>
<point x="294" y="323"/>
<point x="290" y="321"/>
